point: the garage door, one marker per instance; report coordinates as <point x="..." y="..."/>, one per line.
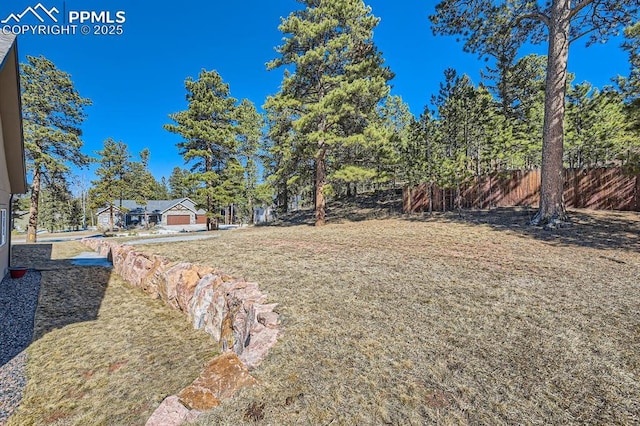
<point x="201" y="218"/>
<point x="178" y="219"/>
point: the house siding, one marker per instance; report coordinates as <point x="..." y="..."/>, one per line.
<point x="103" y="220"/>
<point x="12" y="167"/>
<point x="5" y="199"/>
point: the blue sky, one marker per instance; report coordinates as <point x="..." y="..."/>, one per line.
<point x="137" y="78"/>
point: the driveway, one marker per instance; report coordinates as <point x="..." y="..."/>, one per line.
<point x="52" y="238"/>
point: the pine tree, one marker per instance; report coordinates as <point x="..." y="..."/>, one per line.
<point x="337" y="78"/>
<point x="76" y="215"/>
<point x="630" y="86"/>
<point x="181" y="185"/>
<point x="524" y="148"/>
<point x="250" y="134"/>
<point x="557" y="22"/>
<point x="454" y="104"/>
<point x="421" y="156"/>
<point x="163" y="189"/>
<point x="212" y="133"/>
<point x="597" y="133"/>
<point x="112" y="173"/>
<point x="141" y="186"/>
<point x="287" y="159"/>
<point x="395" y="121"/>
<point x="53" y="113"/>
<point x="55" y="203"/>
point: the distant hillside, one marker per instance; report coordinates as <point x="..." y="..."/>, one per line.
<point x="369" y="205"/>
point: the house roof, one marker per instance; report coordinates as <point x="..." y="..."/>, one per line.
<point x="155" y="206"/>
<point x="11" y="113"/>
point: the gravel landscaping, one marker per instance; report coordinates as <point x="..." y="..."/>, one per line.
<point x="18" y="302"/>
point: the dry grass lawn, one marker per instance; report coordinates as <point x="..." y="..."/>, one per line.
<point x="104" y="353"/>
<point x="479" y="320"/>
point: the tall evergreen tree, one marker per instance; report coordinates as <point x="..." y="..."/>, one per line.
<point x="250" y="132"/>
<point x="53" y="113"/>
<point x="597" y="132"/>
<point x="212" y="136"/>
<point x="337" y="80"/>
<point x="55" y="203"/>
<point x="559" y="23"/>
<point x="631" y="85"/>
<point x="76" y="218"/>
<point x="468" y="129"/>
<point x="181" y="185"/>
<point x="396" y="120"/>
<point x="421" y="156"/>
<point x="208" y="127"/>
<point x="523" y="148"/>
<point x="112" y="174"/>
<point x="287" y="158"/>
<point x="141" y="186"/>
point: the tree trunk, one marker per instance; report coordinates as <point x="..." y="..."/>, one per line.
<point x="209" y="212"/>
<point x="552" y="207"/>
<point x="321" y="177"/>
<point x="283" y="199"/>
<point x="121" y="214"/>
<point x="490" y="193"/>
<point x="111" y="217"/>
<point x="32" y="227"/>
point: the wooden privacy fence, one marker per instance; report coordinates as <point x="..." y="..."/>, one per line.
<point x="599" y="188"/>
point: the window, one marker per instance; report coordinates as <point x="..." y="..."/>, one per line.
<point x="3" y="231"/>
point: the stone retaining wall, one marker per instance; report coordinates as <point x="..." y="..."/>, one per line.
<point x="230" y="309"/>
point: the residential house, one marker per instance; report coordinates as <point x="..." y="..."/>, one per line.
<point x="181" y="211"/>
<point x="12" y="166"/>
<point x="263" y="214"/>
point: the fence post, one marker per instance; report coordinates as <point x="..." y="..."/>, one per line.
<point x="637" y="194"/>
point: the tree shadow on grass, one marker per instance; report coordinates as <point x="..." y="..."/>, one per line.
<point x="587" y="228"/>
<point x="377" y="205"/>
<point x="58" y="292"/>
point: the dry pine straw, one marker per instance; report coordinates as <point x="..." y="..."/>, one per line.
<point x="104" y="352"/>
<point x="475" y="320"/>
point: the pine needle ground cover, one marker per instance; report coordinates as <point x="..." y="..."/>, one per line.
<point x="103" y="351"/>
<point x="479" y="319"/>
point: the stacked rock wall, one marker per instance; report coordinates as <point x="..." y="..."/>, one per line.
<point x="230" y="309"/>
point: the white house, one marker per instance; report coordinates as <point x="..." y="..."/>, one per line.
<point x="12" y="167"/>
